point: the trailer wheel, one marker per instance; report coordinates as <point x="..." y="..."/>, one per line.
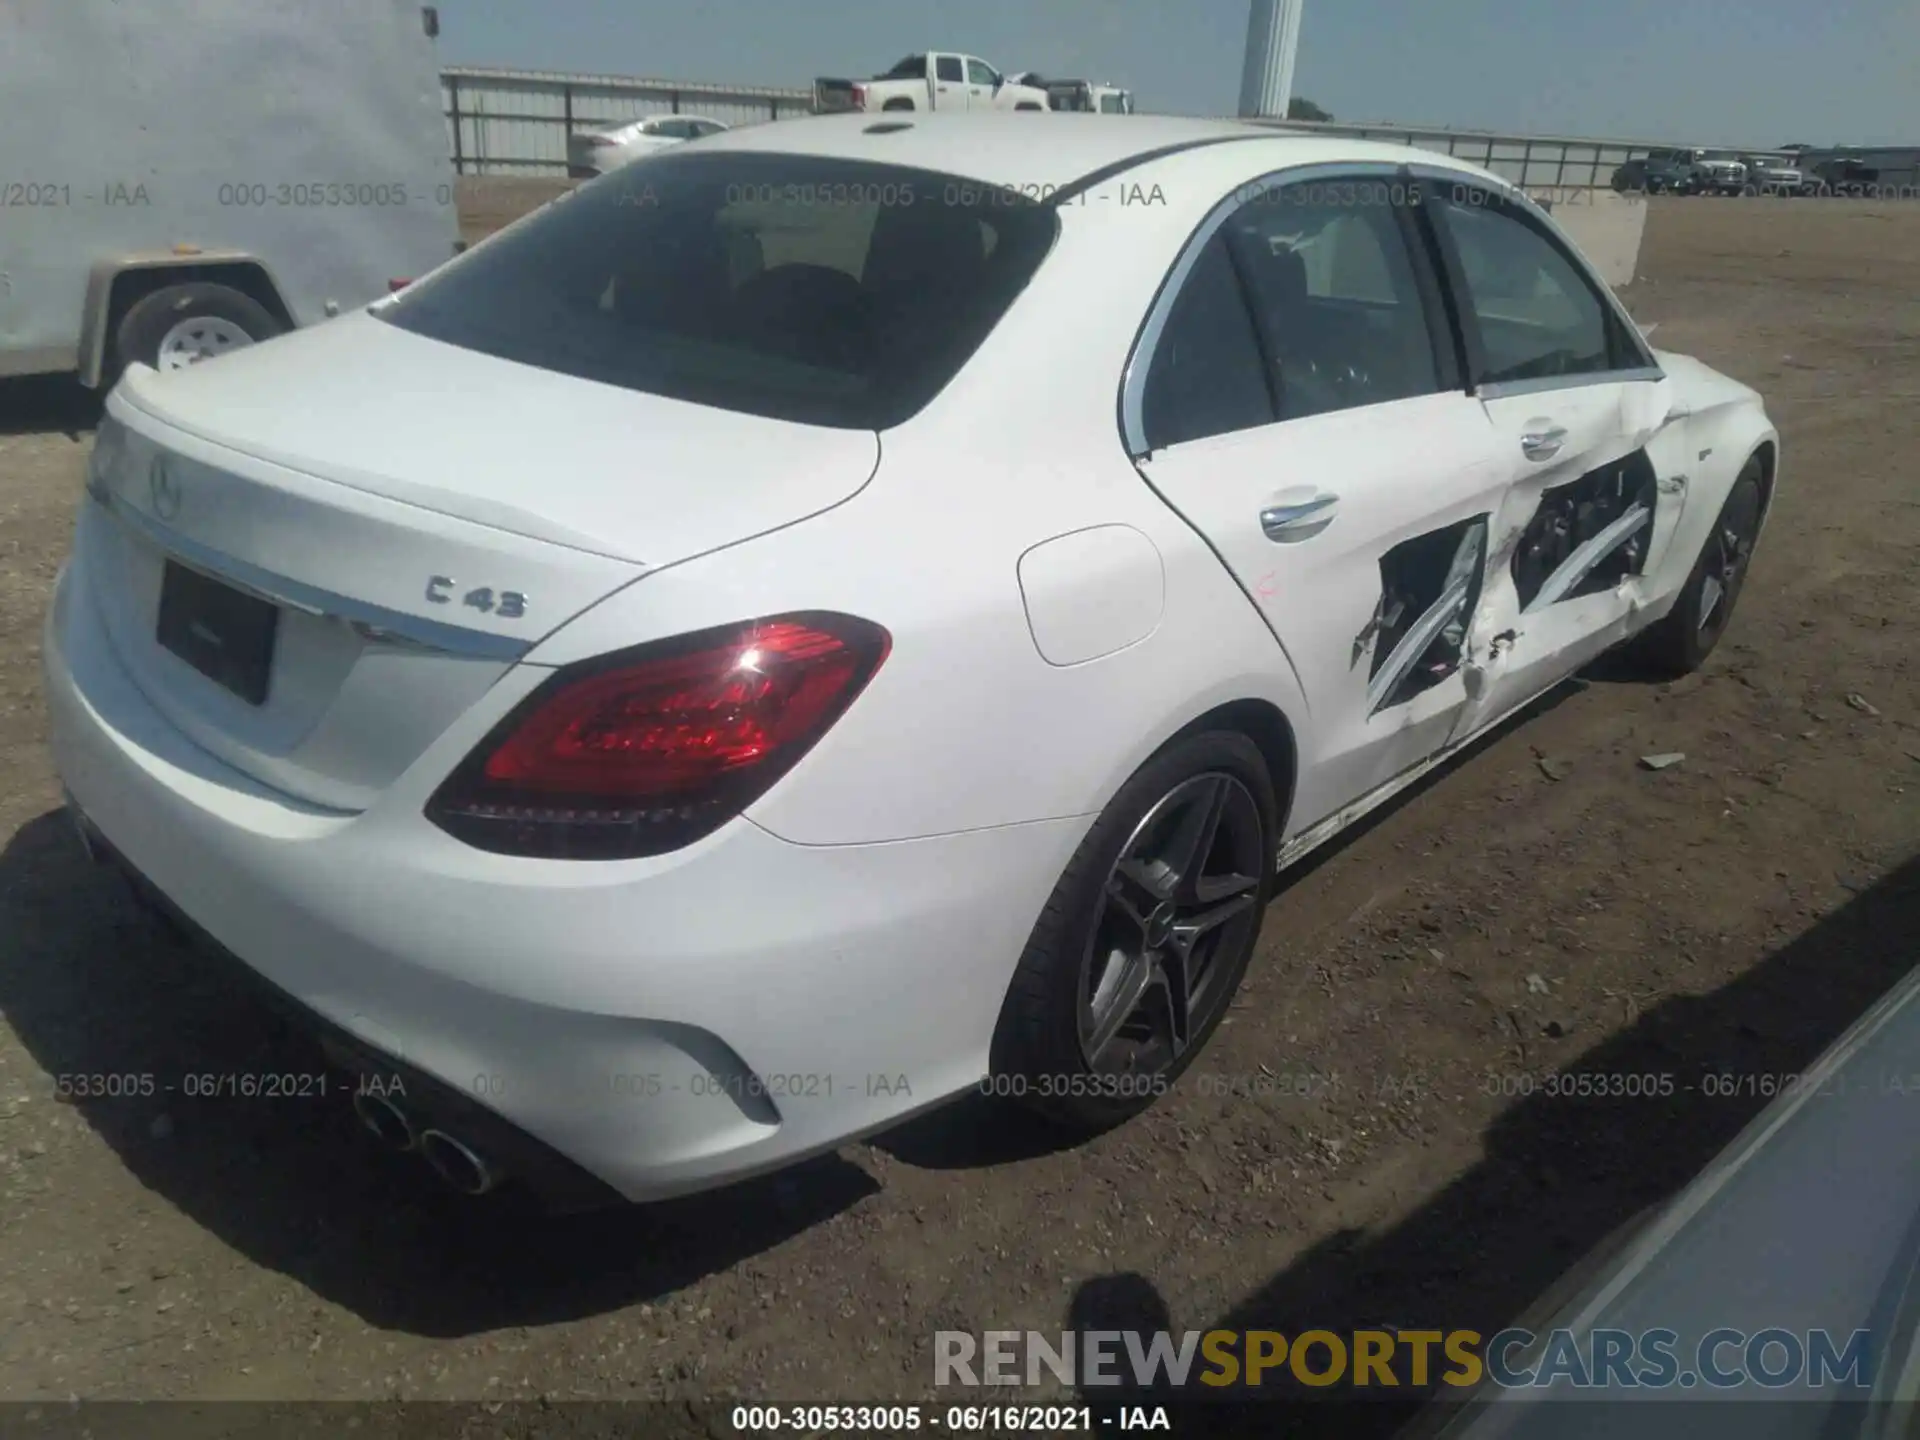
<point x="182" y="325"/>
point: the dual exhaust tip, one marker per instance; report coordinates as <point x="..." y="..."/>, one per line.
<point x="452" y="1159"/>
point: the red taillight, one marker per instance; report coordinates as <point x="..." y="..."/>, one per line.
<point x="859" y="97"/>
<point x="649" y="750"/>
<point x="394" y="287"/>
<point x="601" y="142"/>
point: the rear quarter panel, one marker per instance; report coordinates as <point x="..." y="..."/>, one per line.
<point x="966" y="725"/>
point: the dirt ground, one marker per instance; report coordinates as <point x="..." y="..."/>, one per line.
<point x="1729" y="916"/>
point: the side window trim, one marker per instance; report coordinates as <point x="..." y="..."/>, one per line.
<point x="1262" y="341"/>
<point x="1443" y="326"/>
<point x="1454" y="276"/>
<point x="1517" y="204"/>
<point x="1133" y="381"/>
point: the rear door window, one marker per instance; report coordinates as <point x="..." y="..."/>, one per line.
<point x="1206" y="376"/>
<point x="830" y="292"/>
<point x="1332" y="282"/>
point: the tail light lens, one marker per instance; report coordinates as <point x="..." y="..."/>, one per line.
<point x="859" y="97"/>
<point x="648" y="750"/>
<point x="601" y="142"/>
<point x="394" y="287"/>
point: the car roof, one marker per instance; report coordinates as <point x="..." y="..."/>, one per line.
<point x="1051" y="150"/>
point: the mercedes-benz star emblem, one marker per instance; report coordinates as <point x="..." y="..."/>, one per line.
<point x="163" y="486"/>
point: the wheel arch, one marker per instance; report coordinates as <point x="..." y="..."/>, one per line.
<point x="116" y="286"/>
<point x="1767" y="452"/>
<point x="1267" y="726"/>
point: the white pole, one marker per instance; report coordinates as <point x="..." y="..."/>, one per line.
<point x="1273" y="39"/>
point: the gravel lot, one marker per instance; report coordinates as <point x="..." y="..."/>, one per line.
<point x="1729" y="916"/>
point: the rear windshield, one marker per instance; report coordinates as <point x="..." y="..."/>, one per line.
<point x="911" y="68"/>
<point x="829" y="292"/>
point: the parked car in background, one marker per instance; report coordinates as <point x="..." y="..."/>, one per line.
<point x="1774" y="174"/>
<point x="1660" y="172"/>
<point x="937" y="80"/>
<point x="1846" y="175"/>
<point x="1718" y="172"/>
<point x="1080" y="95"/>
<point x="165" y="200"/>
<point x="595" y="152"/>
<point x="838" y="720"/>
<point x="1807" y="1220"/>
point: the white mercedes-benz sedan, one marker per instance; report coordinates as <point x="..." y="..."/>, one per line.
<point x="591" y="153"/>
<point x="858" y="611"/>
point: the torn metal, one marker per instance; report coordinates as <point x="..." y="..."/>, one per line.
<point x="1587" y="535"/>
<point x="1430" y="648"/>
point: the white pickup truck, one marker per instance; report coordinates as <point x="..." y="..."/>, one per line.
<point x="937" y="80"/>
<point x="1079" y="95"/>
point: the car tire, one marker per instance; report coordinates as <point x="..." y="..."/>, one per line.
<point x="1681" y="642"/>
<point x="182" y="319"/>
<point x="1090" y="1039"/>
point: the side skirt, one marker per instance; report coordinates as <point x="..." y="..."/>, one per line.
<point x="1317" y="834"/>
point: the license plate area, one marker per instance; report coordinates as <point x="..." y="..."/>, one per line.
<point x="224" y="633"/>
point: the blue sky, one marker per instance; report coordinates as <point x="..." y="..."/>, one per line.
<point x="1758" y="72"/>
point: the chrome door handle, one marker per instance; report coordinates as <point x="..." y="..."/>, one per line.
<point x="1285" y="522"/>
<point x="1543" y="444"/>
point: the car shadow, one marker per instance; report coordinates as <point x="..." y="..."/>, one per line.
<point x="45" y="404"/>
<point x="92" y="986"/>
<point x="1559" y="1177"/>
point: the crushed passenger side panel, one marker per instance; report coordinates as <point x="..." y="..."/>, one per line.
<point x="1587" y="535"/>
<point x="1429" y="587"/>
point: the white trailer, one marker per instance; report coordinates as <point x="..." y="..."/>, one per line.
<point x="180" y="177"/>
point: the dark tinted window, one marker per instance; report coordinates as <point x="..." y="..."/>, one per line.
<point x="1205" y="376"/>
<point x="914" y="67"/>
<point x="1538" y="316"/>
<point x="1332" y="284"/>
<point x="831" y="292"/>
<point x="947" y="67"/>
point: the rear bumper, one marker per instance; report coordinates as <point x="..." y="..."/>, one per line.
<point x="663" y="1025"/>
<point x="562" y="1186"/>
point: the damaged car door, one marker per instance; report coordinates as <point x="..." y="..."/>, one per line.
<point x="1297" y="398"/>
<point x="1585" y="419"/>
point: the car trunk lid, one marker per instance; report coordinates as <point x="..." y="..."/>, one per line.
<point x="412" y="536"/>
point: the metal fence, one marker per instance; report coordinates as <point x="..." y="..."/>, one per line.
<point x="1532" y="162"/>
<point x="516" y="122"/>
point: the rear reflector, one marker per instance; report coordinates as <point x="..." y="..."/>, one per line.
<point x="651" y="749"/>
